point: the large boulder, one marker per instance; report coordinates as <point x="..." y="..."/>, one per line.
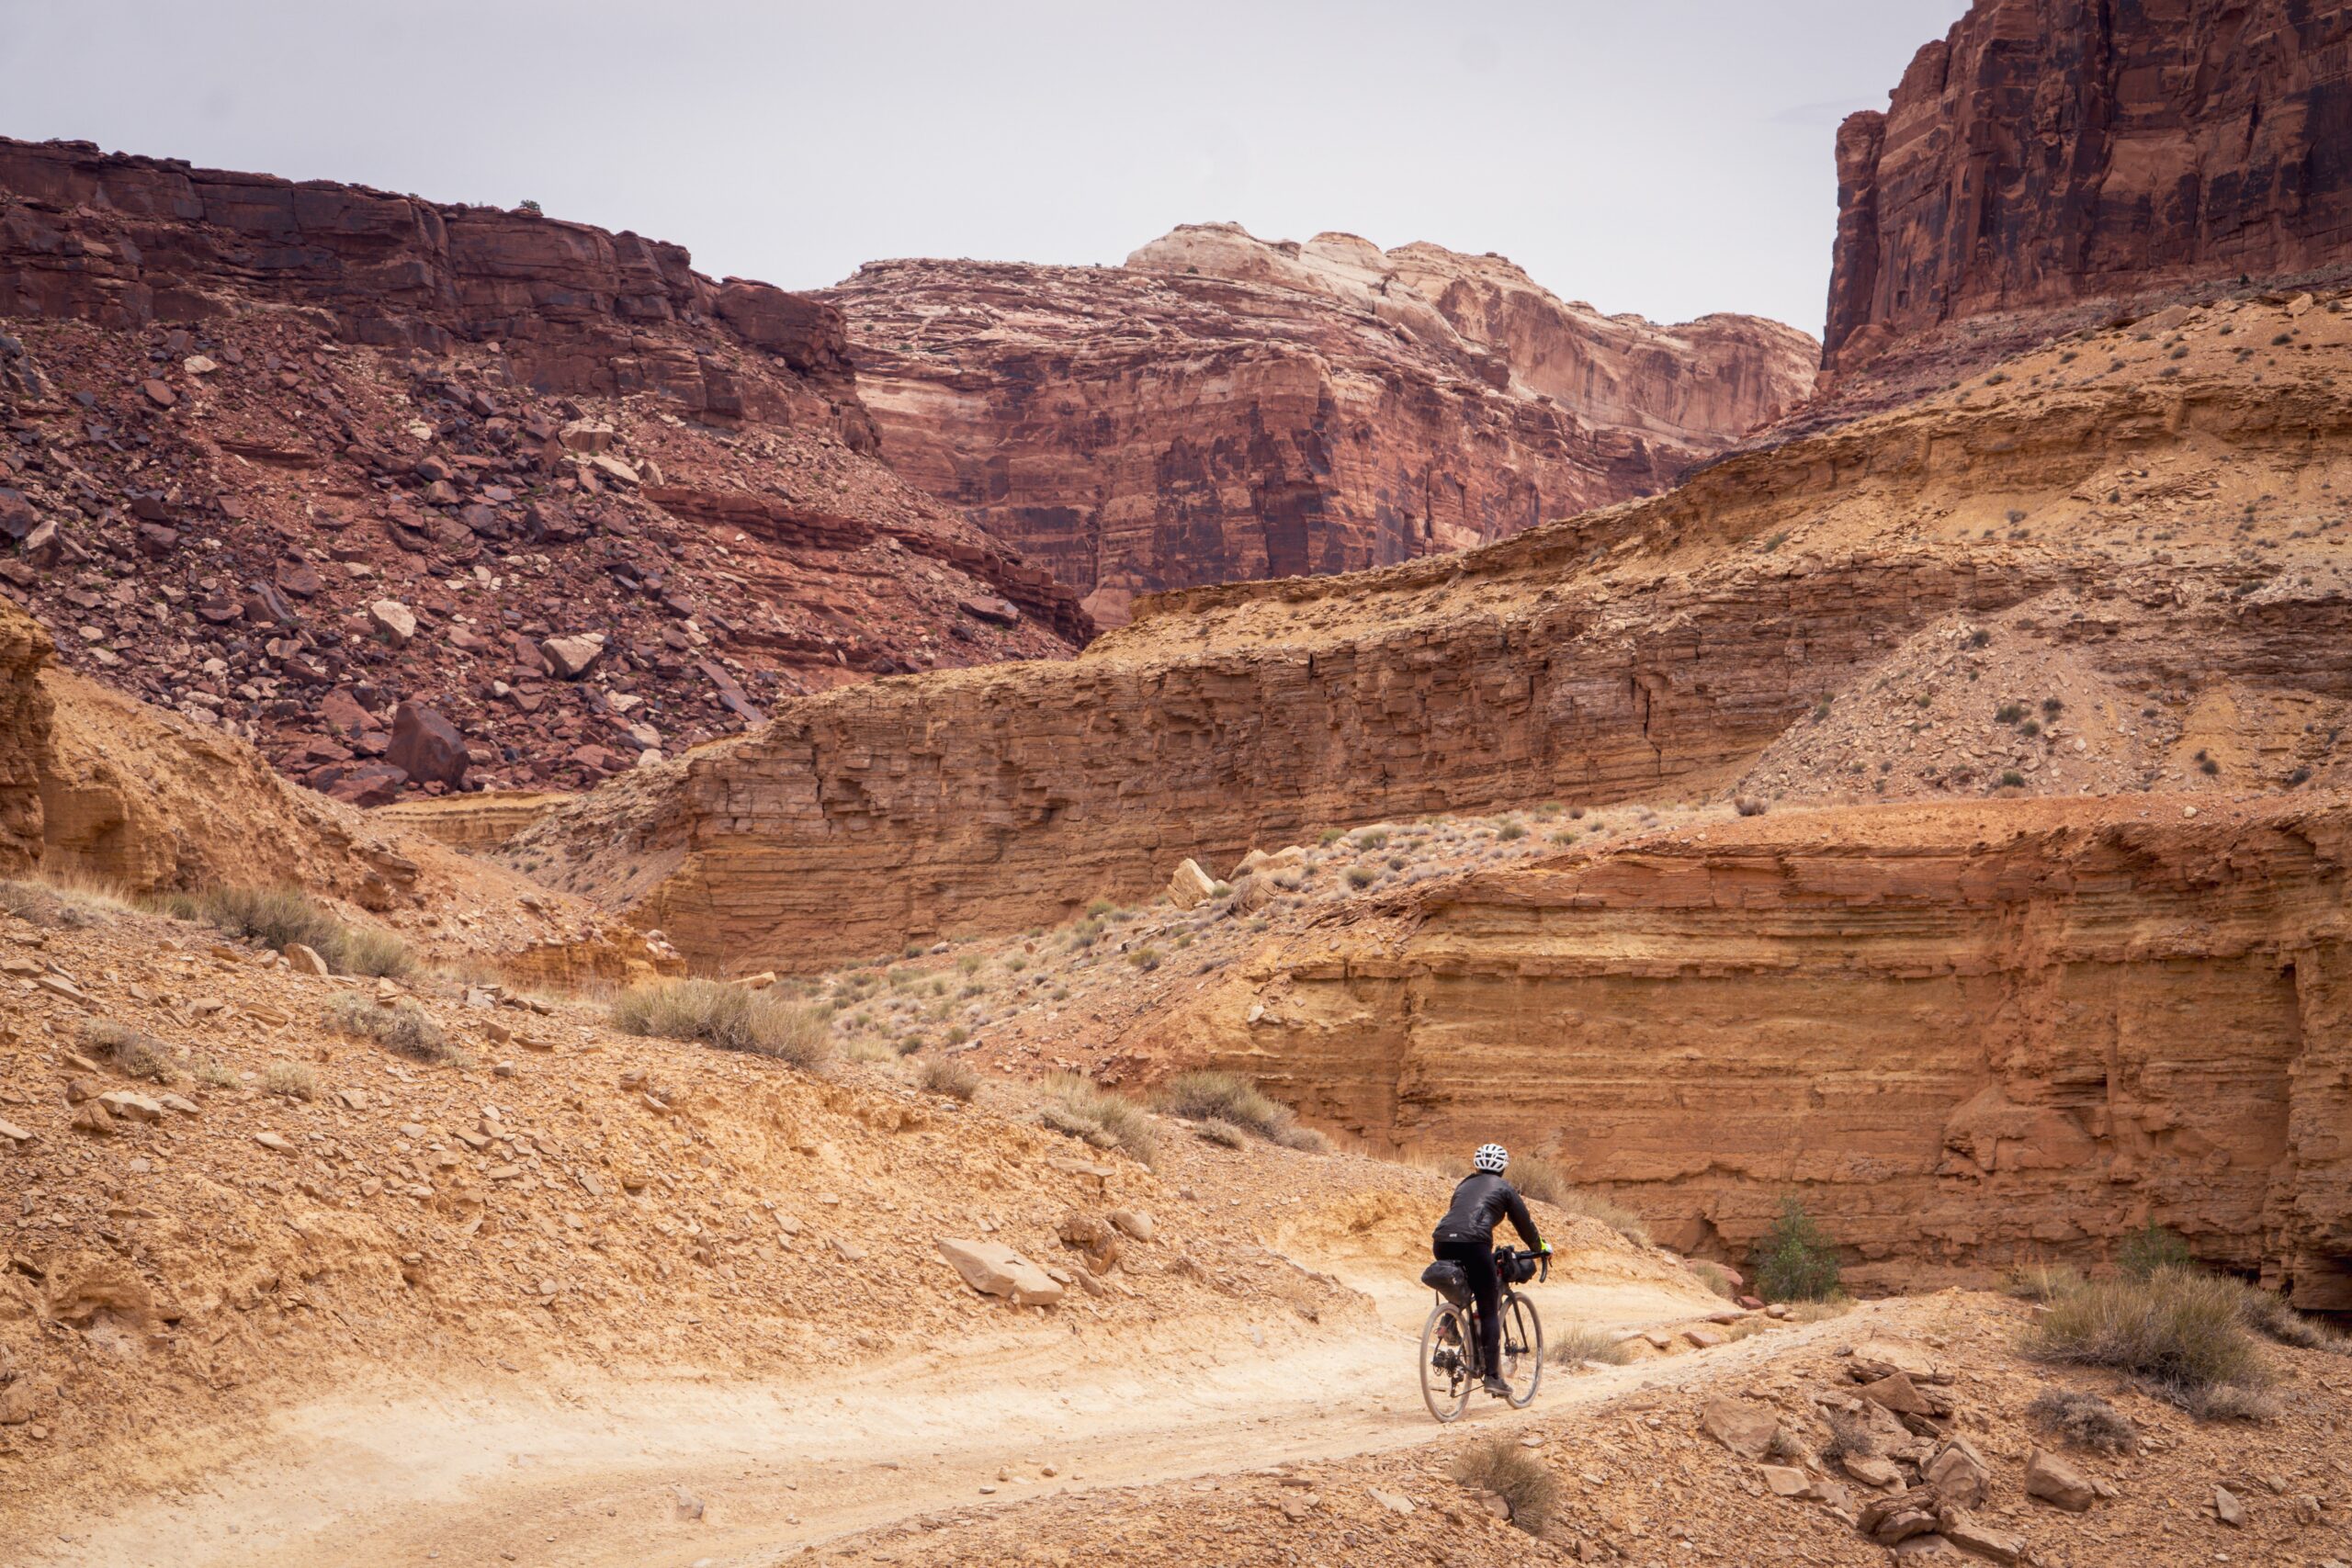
<point x="993" y="1268"/>
<point x="2054" y="1480"/>
<point x="572" y="656"/>
<point x="1189" y="885"/>
<point x="1746" y="1430"/>
<point x="427" y="747"/>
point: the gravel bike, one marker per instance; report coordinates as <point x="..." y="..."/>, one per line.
<point x="1450" y="1358"/>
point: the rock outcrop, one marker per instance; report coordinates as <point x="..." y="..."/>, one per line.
<point x="2049" y="152"/>
<point x="1223" y="409"/>
<point x="1658" y="648"/>
<point x="1963" y="1034"/>
<point x="284" y="457"/>
<point x="25" y="717"/>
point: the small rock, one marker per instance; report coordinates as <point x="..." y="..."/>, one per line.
<point x="1391" y="1501"/>
<point x="2055" y="1481"/>
<point x="273" y="1143"/>
<point x="394" y="621"/>
<point x="2227" y="1509"/>
<point x="1787" y="1480"/>
<point x="1136" y="1222"/>
<point x="689" y="1505"/>
<point x="304" y="960"/>
<point x="572" y="656"/>
<point x="996" y="1270"/>
<point x="1746" y="1430"/>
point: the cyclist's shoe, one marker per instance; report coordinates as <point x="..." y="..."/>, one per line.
<point x="1496" y="1387"/>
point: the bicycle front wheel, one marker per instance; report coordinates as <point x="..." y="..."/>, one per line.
<point x="1445" y="1361"/>
<point x="1522" y="1350"/>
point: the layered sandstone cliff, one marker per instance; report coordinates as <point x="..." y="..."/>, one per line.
<point x="2066" y="518"/>
<point x="1222" y="408"/>
<point x="2046" y="154"/>
<point x="1961" y="1035"/>
<point x="245" y="415"/>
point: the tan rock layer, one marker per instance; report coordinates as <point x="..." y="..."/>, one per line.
<point x="25" y="714"/>
<point x="1653" y="647"/>
<point x="1967" y="1034"/>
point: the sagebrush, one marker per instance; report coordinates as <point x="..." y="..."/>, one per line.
<point x="1108" y="1120"/>
<point x="719" y="1013"/>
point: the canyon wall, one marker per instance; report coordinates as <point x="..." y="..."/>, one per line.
<point x="1960" y="1035"/>
<point x="1224" y="409"/>
<point x="287" y="459"/>
<point x="2051" y="151"/>
<point x="1655" y="648"/>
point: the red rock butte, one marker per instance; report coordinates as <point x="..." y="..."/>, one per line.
<point x="1225" y="408"/>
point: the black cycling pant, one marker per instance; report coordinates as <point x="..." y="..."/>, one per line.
<point x="1477" y="1260"/>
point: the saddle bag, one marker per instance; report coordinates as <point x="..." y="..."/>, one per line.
<point x="1448" y="1280"/>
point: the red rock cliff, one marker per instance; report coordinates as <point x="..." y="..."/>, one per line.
<point x="1224" y="409"/>
<point x="2051" y="151"/>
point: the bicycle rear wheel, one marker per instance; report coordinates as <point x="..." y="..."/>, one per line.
<point x="1446" y="1350"/>
<point x="1522" y="1350"/>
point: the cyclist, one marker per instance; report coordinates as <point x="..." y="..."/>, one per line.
<point x="1467" y="1236"/>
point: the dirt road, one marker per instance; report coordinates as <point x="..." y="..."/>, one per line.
<point x="682" y="1472"/>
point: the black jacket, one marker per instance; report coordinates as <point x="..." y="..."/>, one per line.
<point x="1480" y="1204"/>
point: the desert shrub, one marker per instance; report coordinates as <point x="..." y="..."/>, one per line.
<point x="1501" y="1466"/>
<point x="1224" y="1135"/>
<point x="1204" y="1096"/>
<point x="1540" y="1180"/>
<point x="2269" y="1315"/>
<point x="212" y="1074"/>
<point x="2009" y="713"/>
<point x="277" y="918"/>
<point x="724" y="1015"/>
<point x="2012" y="779"/>
<point x="1795" y="1261"/>
<point x="1714" y="1276"/>
<point x="2152" y="1247"/>
<point x="1107" y="1120"/>
<point x="1330" y="836"/>
<point x="1145" y="958"/>
<point x="1306" y="1140"/>
<point x="2039" y="1282"/>
<point x="2179" y="1329"/>
<point x="1370" y="839"/>
<point x="402" y="1026"/>
<point x="292" y="1079"/>
<point x="941" y="1076"/>
<point x="65" y="902"/>
<point x="1577" y="1343"/>
<point x="1362" y="876"/>
<point x="1849" y="1433"/>
<point x="1821" y="1311"/>
<point x="1512" y="829"/>
<point x="133" y="1053"/>
<point x="2083" y="1421"/>
<point x="1749" y="805"/>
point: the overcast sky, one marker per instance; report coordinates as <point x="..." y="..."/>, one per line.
<point x="1666" y="156"/>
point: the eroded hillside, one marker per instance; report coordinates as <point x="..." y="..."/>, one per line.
<point x="2156" y="505"/>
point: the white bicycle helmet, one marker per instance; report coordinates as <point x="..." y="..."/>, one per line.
<point x="1491" y="1156"/>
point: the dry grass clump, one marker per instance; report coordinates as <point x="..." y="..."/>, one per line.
<point x="2181" y="1331"/>
<point x="1501" y="1466"/>
<point x="2083" y="1421"/>
<point x="1821" y="1311"/>
<point x="942" y="1076"/>
<point x="133" y="1053"/>
<point x="63" y="901"/>
<point x="2269" y="1315"/>
<point x="277" y="918"/>
<point x="1849" y="1434"/>
<point x="1224" y="1135"/>
<point x="402" y="1026"/>
<point x="1580" y="1342"/>
<point x="212" y="1074"/>
<point x="724" y="1015"/>
<point x="292" y="1079"/>
<point x="1086" y="1110"/>
<point x="1714" y="1276"/>
<point x="1234" y="1100"/>
<point x="2039" y="1282"/>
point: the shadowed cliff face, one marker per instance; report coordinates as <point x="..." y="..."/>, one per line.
<point x="2048" y="152"/>
<point x="1222" y="409"/>
<point x="1960" y="1035"/>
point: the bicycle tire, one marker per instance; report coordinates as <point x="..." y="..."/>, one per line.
<point x="1446" y="1391"/>
<point x="1523" y="1350"/>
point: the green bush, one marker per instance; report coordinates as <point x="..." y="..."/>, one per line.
<point x="727" y="1016"/>
<point x="2152" y="1247"/>
<point x="1795" y="1261"/>
<point x="2182" y="1330"/>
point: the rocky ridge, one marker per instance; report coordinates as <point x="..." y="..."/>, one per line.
<point x="285" y="456"/>
<point x="1224" y="408"/>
